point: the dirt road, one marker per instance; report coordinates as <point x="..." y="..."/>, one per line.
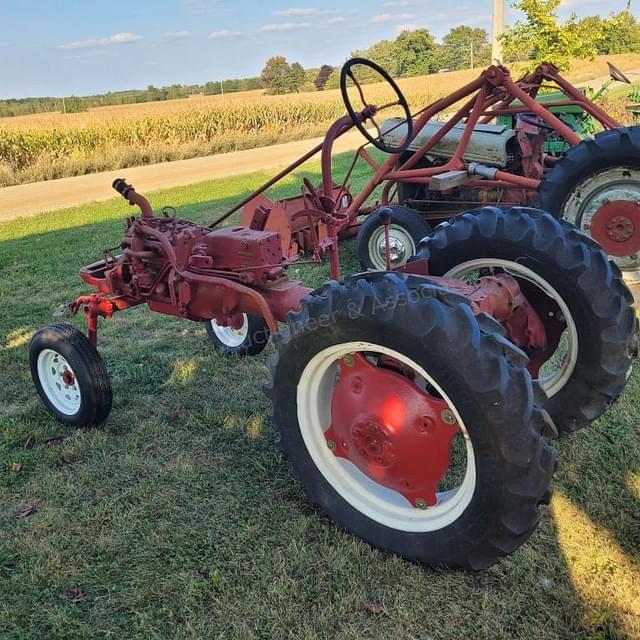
<point x="31" y="199"/>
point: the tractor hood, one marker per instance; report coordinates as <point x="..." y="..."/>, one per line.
<point x="488" y="145"/>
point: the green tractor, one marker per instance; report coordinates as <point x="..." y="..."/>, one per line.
<point x="572" y="115"/>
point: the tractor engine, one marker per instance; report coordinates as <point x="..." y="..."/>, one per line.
<point x="184" y="269"/>
<point x="491" y="147"/>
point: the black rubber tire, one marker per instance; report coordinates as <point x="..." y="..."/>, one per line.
<point x="576" y="267"/>
<point x="255" y="341"/>
<point x="91" y="374"/>
<point x="608" y="149"/>
<point x="409" y="219"/>
<point x="483" y="375"/>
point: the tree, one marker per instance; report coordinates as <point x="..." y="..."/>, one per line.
<point x="383" y="53"/>
<point x="276" y="75"/>
<point x="211" y="88"/>
<point x="541" y="38"/>
<point x="322" y="77"/>
<point x="464" y="45"/>
<point x="415" y="53"/>
<point x="297" y="77"/>
<point x="620" y="34"/>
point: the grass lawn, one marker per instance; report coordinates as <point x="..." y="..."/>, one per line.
<point x="178" y="518"/>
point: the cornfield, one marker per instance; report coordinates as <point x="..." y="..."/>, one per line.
<point x="46" y="146"/>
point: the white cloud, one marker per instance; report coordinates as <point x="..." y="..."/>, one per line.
<point x="224" y="33"/>
<point x="117" y="38"/>
<point x="336" y="20"/>
<point x="284" y="26"/>
<point x="300" y="12"/>
<point x="396" y="17"/>
<point x="176" y="34"/>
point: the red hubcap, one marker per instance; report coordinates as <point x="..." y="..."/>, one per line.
<point x="395" y="433"/>
<point x="67" y="377"/>
<point x="616" y="226"/>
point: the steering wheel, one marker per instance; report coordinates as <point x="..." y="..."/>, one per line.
<point x="370" y="111"/>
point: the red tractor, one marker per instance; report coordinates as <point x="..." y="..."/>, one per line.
<point x="414" y="404"/>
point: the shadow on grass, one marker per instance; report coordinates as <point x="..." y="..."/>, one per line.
<point x="178" y="518"/>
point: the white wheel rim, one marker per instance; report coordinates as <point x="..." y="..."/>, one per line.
<point x="228" y="335"/>
<point x="59" y="382"/>
<point x="381" y="504"/>
<point x="552" y="383"/>
<point x="401" y="246"/>
<point x="593" y="193"/>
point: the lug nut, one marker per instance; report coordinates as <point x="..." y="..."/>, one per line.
<point x="448" y="417"/>
<point x="421" y="503"/>
<point x="331" y="444"/>
<point x="348" y="360"/>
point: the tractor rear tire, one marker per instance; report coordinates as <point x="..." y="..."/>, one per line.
<point x="591" y="175"/>
<point x="406" y="229"/>
<point x="70" y="376"/>
<point x="481" y="376"/>
<point x="577" y="272"/>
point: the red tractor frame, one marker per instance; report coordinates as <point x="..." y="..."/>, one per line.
<point x="450" y="182"/>
<point x="413" y="404"/>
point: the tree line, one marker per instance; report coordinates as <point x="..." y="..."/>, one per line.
<point x="538" y="36"/>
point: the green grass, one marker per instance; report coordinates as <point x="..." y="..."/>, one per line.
<point x="178" y="518"/>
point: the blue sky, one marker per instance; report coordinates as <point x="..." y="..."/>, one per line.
<point x="63" y="47"/>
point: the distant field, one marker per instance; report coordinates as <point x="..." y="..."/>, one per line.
<point x="52" y="145"/>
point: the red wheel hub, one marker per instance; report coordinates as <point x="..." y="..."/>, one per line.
<point x="616" y="226"/>
<point x="395" y="433"/>
<point x="67" y="377"/>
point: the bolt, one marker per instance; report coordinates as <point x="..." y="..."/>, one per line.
<point x="331" y="444"/>
<point x="348" y="360"/>
<point x="424" y="424"/>
<point x="448" y="417"/>
<point x="421" y="503"/>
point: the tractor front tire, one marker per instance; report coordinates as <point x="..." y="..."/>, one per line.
<point x="425" y="339"/>
<point x="248" y="340"/>
<point x="572" y="273"/>
<point x="406" y="228"/>
<point x="70" y="376"/>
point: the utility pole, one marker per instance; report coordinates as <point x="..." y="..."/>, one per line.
<point x="496" y="31"/>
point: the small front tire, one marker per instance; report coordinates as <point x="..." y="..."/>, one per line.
<point x="406" y="228"/>
<point x="248" y="338"/>
<point x="70" y="376"/>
